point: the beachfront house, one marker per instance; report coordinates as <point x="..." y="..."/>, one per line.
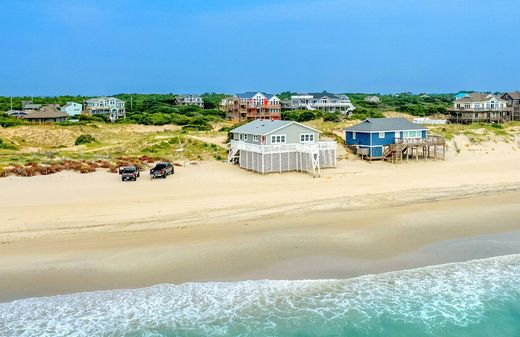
<point x="250" y="106"/>
<point x="513" y="104"/>
<point x="479" y="107"/>
<point x="110" y="107"/>
<point x="72" y="108"/>
<point x="323" y="101"/>
<point x="189" y="100"/>
<point x="267" y="146"/>
<point x="392" y="138"/>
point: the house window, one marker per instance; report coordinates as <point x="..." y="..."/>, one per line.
<point x="412" y="134"/>
<point x="381" y="135"/>
<point x="397" y="134"/>
<point x="353" y="135"/>
<point x="277" y="139"/>
<point x="245" y="137"/>
<point x="241" y="137"/>
<point x="256" y="138"/>
<point x="306" y="137"/>
<point x="467" y="106"/>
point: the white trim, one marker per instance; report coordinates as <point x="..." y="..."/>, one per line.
<point x="386" y="131"/>
<point x="353" y="135"/>
<point x="284" y="139"/>
<point x="303" y="125"/>
<point x="307" y="134"/>
<point x="382" y="133"/>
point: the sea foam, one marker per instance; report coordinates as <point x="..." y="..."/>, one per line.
<point x="428" y="299"/>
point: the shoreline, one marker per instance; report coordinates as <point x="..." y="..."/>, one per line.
<point x="68" y="232"/>
<point x="313" y="245"/>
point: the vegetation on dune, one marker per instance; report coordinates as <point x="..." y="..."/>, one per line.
<point x="6" y="146"/>
<point x="48" y="146"/>
<point x="7" y="121"/>
<point x="416" y="105"/>
<point x="84" y="139"/>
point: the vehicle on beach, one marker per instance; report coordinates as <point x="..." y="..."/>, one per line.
<point x="162" y="170"/>
<point x="129" y="173"/>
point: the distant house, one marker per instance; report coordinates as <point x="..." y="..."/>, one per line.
<point x="17" y="113"/>
<point x="110" y="107"/>
<point x="372" y="99"/>
<point x="479" y="107"/>
<point x="72" y="108"/>
<point x="47" y="114"/>
<point x="250" y="106"/>
<point x="189" y="100"/>
<point x="323" y="101"/>
<point x="374" y="135"/>
<point x="267" y="146"/>
<point x="29" y="105"/>
<point x="513" y="104"/>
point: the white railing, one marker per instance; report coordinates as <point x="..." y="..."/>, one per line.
<point x="322" y="105"/>
<point x="313" y="147"/>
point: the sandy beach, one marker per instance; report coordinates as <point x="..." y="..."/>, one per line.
<point x="211" y="221"/>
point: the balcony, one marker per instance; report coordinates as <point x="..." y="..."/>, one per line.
<point x="311" y="148"/>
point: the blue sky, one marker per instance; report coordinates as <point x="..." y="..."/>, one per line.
<point x="54" y="47"/>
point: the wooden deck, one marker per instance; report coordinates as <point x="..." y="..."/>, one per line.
<point x="432" y="147"/>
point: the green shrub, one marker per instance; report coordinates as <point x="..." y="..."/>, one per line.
<point x="331" y="117"/>
<point x="84" y="139"/>
<point x="6" y="146"/>
<point x="7" y="120"/>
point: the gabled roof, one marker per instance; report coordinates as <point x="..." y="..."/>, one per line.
<point x="103" y="98"/>
<point x="514" y="95"/>
<point x="262" y="127"/>
<point x="477" y="97"/>
<point x="17" y="113"/>
<point x="189" y="96"/>
<point x="385" y="124"/>
<point x="246" y="95"/>
<point x="251" y="94"/>
<point x="317" y="95"/>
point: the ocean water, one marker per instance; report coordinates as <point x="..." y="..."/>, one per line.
<point x="476" y="298"/>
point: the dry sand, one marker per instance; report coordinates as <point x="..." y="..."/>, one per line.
<point x="70" y="232"/>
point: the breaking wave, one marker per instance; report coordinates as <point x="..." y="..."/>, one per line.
<point x="478" y="296"/>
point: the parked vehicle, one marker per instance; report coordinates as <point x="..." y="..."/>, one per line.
<point x="162" y="170"/>
<point x="129" y="173"/>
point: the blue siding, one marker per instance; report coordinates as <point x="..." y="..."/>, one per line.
<point x="378" y="144"/>
<point x="361" y="138"/>
<point x="388" y="139"/>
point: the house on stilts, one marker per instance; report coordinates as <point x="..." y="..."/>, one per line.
<point x="393" y="139"/>
<point x="269" y="146"/>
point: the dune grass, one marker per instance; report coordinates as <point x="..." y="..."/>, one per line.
<point x="46" y="144"/>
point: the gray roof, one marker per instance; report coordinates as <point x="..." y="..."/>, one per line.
<point x="46" y="112"/>
<point x="385" y="124"/>
<point x="476" y="97"/>
<point x="514" y="95"/>
<point x="317" y="95"/>
<point x="189" y="95"/>
<point x="251" y="94"/>
<point x="29" y="106"/>
<point x="103" y="98"/>
<point x="264" y="127"/>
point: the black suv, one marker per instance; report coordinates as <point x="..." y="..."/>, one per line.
<point x="129" y="173"/>
<point x="162" y="170"/>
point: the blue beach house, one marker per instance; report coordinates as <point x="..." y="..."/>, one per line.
<point x="371" y="137"/>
